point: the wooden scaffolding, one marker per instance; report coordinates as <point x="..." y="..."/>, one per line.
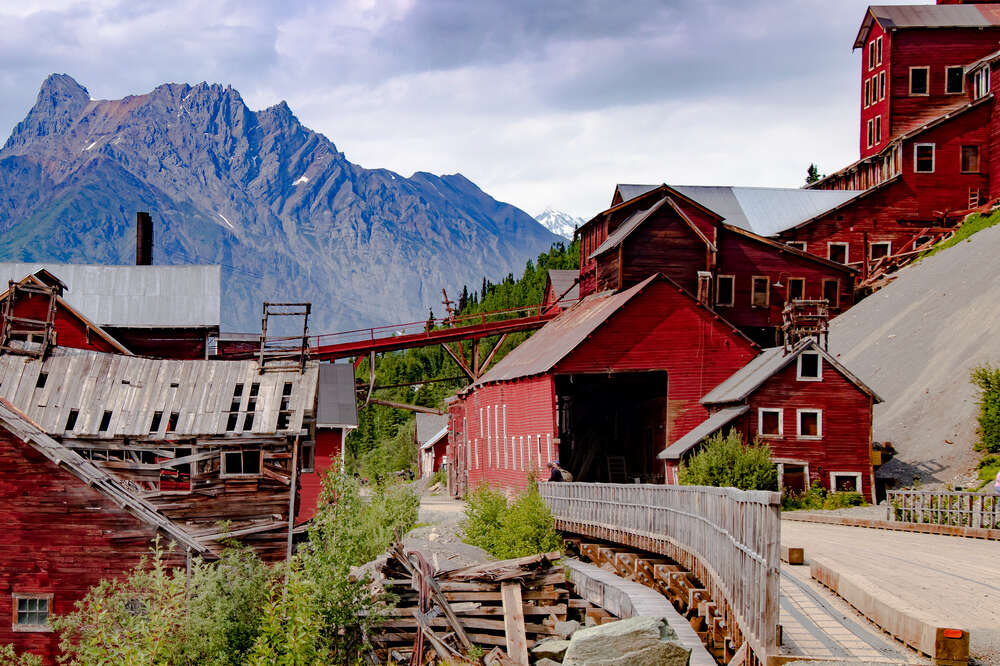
<point x="25" y="335"/>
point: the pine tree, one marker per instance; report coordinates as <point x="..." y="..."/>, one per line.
<point x="812" y="174"/>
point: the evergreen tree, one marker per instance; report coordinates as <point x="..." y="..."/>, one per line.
<point x="812" y="174"/>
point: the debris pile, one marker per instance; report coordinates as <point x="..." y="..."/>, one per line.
<point x="505" y="608"/>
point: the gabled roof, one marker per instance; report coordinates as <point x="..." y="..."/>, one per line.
<point x="27" y="431"/>
<point x="336" y="401"/>
<point x="429" y="425"/>
<point x="629" y="192"/>
<point x="927" y="16"/>
<point x="136" y="296"/>
<point x="763" y="210"/>
<point x="434" y="439"/>
<point x="706" y="428"/>
<point x="636" y="220"/>
<point x="565" y="282"/>
<point x="46" y="279"/>
<point x="788" y="249"/>
<point x="752" y="376"/>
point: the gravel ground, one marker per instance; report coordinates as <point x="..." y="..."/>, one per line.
<point x="437" y="536"/>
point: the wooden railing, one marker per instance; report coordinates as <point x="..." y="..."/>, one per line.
<point x="729" y="539"/>
<point x="980" y="510"/>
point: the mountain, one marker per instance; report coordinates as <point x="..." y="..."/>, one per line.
<point x="559" y="223"/>
<point x="275" y="203"/>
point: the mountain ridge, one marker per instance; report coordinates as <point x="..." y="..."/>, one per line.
<point x="277" y="204"/>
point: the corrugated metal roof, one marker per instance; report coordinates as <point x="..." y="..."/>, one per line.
<point x="551" y="343"/>
<point x="626" y="228"/>
<point x="435" y="438"/>
<point x="133" y="388"/>
<point x="336" y="401"/>
<point x="704" y="429"/>
<point x="21" y="426"/>
<point x="561" y="280"/>
<point x="176" y="296"/>
<point x="927" y="16"/>
<point x="428" y="425"/>
<point x="629" y="191"/>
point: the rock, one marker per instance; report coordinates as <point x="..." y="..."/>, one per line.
<point x="550" y="648"/>
<point x="635" y="641"/>
<point x="546" y="662"/>
<point x="566" y="629"/>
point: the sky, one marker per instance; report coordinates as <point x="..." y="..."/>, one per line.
<point x="542" y="103"/>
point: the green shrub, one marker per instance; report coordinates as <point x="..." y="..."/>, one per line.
<point x="10" y="657"/>
<point x="971" y="225"/>
<point x="509" y="529"/>
<point x="385" y="458"/>
<point x="725" y="461"/>
<point x="819" y="498"/>
<point x="988" y="468"/>
<point x="987" y="379"/>
<point x="440" y="476"/>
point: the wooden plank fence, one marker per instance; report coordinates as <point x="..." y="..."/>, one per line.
<point x="962" y="509"/>
<point x="729" y="539"/>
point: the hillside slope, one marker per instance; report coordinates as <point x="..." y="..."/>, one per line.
<point x="284" y="212"/>
<point x="915" y="343"/>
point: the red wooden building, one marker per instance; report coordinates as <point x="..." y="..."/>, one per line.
<point x="430" y="434"/>
<point x="814" y="414"/>
<point x="67" y="524"/>
<point x="562" y="288"/>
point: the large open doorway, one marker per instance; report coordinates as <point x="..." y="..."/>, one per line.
<point x="612" y="426"/>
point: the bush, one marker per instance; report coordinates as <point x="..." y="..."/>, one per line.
<point x="987" y="379"/>
<point x="10" y="657"/>
<point x="509" y="529"/>
<point x="387" y="457"/>
<point x="988" y="468"/>
<point x="725" y="461"/>
<point x="819" y="498"/>
<point x="440" y="476"/>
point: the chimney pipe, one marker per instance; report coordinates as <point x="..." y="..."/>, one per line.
<point x="143" y="239"/>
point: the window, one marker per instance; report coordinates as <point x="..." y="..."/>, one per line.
<point x="970" y="159"/>
<point x="177" y="477"/>
<point x="105" y="422"/>
<point x="809" y="367"/>
<point x="31" y="612"/>
<point x="71" y="419"/>
<point x="981" y="82"/>
<point x="923" y="158"/>
<point x="871" y="55"/>
<point x="878" y="130"/>
<point x="880" y="249"/>
<point x="798" y="245"/>
<point x="308" y="457"/>
<point x="796" y="289"/>
<point x="845" y="482"/>
<point x="42" y="377"/>
<point x="810" y="423"/>
<point x="760" y="292"/>
<point x="242" y="463"/>
<point x="724" y="290"/>
<point x="918" y="81"/>
<point x="769" y="423"/>
<point x="831" y="292"/>
<point x="172" y="421"/>
<point x="954" y="80"/>
<point x="870" y="132"/>
<point x="868" y="93"/>
<point x="838" y="252"/>
<point x="881" y="85"/>
<point x="878" y="50"/>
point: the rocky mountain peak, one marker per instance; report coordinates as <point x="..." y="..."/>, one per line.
<point x="60" y="102"/>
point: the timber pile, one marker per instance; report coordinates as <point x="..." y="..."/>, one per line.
<point x="504" y="607"/>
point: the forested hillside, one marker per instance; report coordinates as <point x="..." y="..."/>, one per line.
<point x="383" y="441"/>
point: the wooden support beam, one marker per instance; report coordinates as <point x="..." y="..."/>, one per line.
<point x="459" y="361"/>
<point x="493" y="352"/>
<point x="400" y="405"/>
<point x="513" y="621"/>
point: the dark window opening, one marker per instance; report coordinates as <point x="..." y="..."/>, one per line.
<point x="760" y="296"/>
<point x="248" y="422"/>
<point x="808" y="424"/>
<point x="172" y="421"/>
<point x="241" y="463"/>
<point x="923" y="158"/>
<point x="231" y="421"/>
<point x="42" y="377"/>
<point x="796" y="289"/>
<point x="809" y="365"/>
<point x="308" y="455"/>
<point x="770" y="422"/>
<point x="71" y="419"/>
<point x="724" y="295"/>
<point x="837" y="252"/>
<point x="798" y="245"/>
<point x="154" y="425"/>
<point x="254" y="389"/>
<point x="176" y="478"/>
<point x="831" y="292"/>
<point x="286" y="390"/>
<point x="918" y="81"/>
<point x="32" y="611"/>
<point x="105" y="422"/>
<point x="238" y="390"/>
<point x="845" y="483"/>
<point x="880" y="249"/>
<point x="970" y="159"/>
<point x="954" y="80"/>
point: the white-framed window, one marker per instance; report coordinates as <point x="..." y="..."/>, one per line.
<point x="770" y="422"/>
<point x="724" y="290"/>
<point x="868" y="92"/>
<point x="870" y="131"/>
<point x="809" y="423"/>
<point x="796" y="288"/>
<point x="245" y="463"/>
<point x="881" y="85"/>
<point x="880" y="249"/>
<point x="798" y="245"/>
<point x="30" y="612"/>
<point x="793" y="475"/>
<point x="919" y="80"/>
<point x="845" y="481"/>
<point x="760" y="291"/>
<point x="831" y="292"/>
<point x="809" y="367"/>
<point x="923" y="157"/>
<point x="871" y="55"/>
<point x="878" y="50"/>
<point x="878" y="129"/>
<point x="839" y="252"/>
<point x="954" y="80"/>
<point x="981" y="82"/>
<point x="970" y="159"/>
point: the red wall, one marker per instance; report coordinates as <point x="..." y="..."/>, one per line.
<point x="70" y="330"/>
<point x="880" y="107"/>
<point x="175" y="343"/>
<point x="59" y="536"/>
<point x="328" y="450"/>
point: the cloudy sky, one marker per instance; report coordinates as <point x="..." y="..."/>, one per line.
<point x="540" y="102"/>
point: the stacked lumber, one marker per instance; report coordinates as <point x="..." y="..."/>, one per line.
<point x="502" y="607"/>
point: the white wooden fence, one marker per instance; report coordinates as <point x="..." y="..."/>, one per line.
<point x="960" y="509"/>
<point x="729" y="539"/>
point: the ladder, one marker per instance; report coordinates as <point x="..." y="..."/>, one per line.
<point x="283" y="353"/>
<point x="26" y="335"/>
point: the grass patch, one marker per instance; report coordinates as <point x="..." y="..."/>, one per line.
<point x="988" y="468"/>
<point x="973" y="224"/>
<point x="509" y="529"/>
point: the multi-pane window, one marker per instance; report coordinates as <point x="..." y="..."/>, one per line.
<point x="919" y="81"/>
<point x="970" y="159"/>
<point x="954" y="80"/>
<point x="770" y="423"/>
<point x="241" y="463"/>
<point x="923" y="158"/>
<point x="760" y="292"/>
<point x="32" y="612"/>
<point x="724" y="290"/>
<point x="981" y="82"/>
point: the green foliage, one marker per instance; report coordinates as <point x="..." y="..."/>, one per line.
<point x="987" y="379"/>
<point x="725" y="461"/>
<point x="812" y="174"/>
<point x="988" y="468"/>
<point x="818" y="498"/>
<point x="972" y="225"/>
<point x="440" y="476"/>
<point x="291" y="628"/>
<point x="391" y="455"/>
<point x="509" y="529"/>
<point x="10" y="657"/>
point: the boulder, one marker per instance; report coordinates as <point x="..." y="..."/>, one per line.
<point x="546" y="662"/>
<point x="566" y="629"/>
<point x="635" y="641"/>
<point x="550" y="648"/>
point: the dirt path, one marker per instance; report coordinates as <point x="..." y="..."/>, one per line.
<point x="438" y="534"/>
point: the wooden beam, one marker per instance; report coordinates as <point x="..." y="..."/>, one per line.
<point x="400" y="405"/>
<point x="513" y="623"/>
<point x="493" y="352"/>
<point x="460" y="361"/>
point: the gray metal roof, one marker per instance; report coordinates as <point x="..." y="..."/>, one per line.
<point x="336" y="401"/>
<point x="174" y="296"/>
<point x="21" y="426"/>
<point x="551" y="343"/>
<point x="928" y="16"/>
<point x="704" y="429"/>
<point x="750" y="377"/>
<point x="429" y="426"/>
<point x="561" y="280"/>
<point x="132" y="388"/>
<point x="630" y="191"/>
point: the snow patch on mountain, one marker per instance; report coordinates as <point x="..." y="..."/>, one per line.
<point x="559" y="223"/>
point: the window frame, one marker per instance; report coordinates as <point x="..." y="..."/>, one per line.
<point x="871" y="55"/>
<point x="819" y="423"/>
<point x="847" y="251"/>
<point x="31" y="628"/>
<point x="732" y="290"/>
<point x="856" y="475"/>
<point x="307" y="462"/>
<point x="878" y="50"/>
<point x="871" y="247"/>
<point x="767" y="291"/>
<point x="798" y="245"/>
<point x="881" y="86"/>
<point x="927" y="81"/>
<point x="760" y="422"/>
<point x="781" y="462"/>
<point x="870" y="133"/>
<point x="916" y="160"/>
<point x="947" y="70"/>
<point x="789" y="292"/>
<point x="868" y="93"/>
<point x="961" y="159"/>
<point x="224" y="474"/>
<point x="835" y="281"/>
<point x="819" y="368"/>
<point x="878" y="130"/>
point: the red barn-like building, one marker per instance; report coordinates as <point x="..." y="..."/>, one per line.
<point x="430" y="434"/>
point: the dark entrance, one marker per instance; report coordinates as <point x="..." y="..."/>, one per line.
<point x="612" y="426"/>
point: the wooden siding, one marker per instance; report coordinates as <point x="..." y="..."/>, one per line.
<point x="71" y="330"/>
<point x="174" y="343"/>
<point x="328" y="450"/>
<point x="60" y="538"/>
<point x="880" y="107"/>
<point x="662" y="244"/>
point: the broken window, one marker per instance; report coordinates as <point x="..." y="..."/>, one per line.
<point x="810" y="424"/>
<point x="842" y="482"/>
<point x="769" y="423"/>
<point x="724" y="290"/>
<point x="760" y="292"/>
<point x="105" y="422"/>
<point x="880" y="249"/>
<point x="154" y="425"/>
<point x="177" y="477"/>
<point x="241" y="463"/>
<point x="308" y="455"/>
<point x="831" y="292"/>
<point x="71" y="419"/>
<point x="284" y="412"/>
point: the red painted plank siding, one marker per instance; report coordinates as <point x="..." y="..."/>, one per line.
<point x="665" y="244"/>
<point x="880" y="107"/>
<point x="70" y="330"/>
<point x="328" y="450"/>
<point x="60" y="537"/>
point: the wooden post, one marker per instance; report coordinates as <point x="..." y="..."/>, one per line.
<point x="513" y="623"/>
<point x="291" y="501"/>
